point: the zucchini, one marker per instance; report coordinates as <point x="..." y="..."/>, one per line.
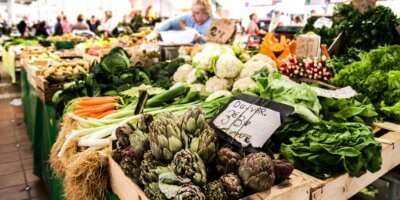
<point x="167" y="96"/>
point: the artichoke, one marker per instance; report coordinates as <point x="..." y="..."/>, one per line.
<point x="150" y="169"/>
<point x="153" y="192"/>
<point x="205" y="145"/>
<point x="139" y="142"/>
<point x="190" y="192"/>
<point x="130" y="166"/>
<point x="189" y="165"/>
<point x="215" y="191"/>
<point x="283" y="169"/>
<point x="257" y="172"/>
<point x="165" y="137"/>
<point x="144" y="122"/>
<point x="122" y="134"/>
<point x="232" y="185"/>
<point x="194" y="122"/>
<point x="227" y="160"/>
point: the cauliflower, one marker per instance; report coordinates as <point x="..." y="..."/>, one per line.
<point x="209" y="55"/>
<point x="244" y="84"/>
<point x="198" y="87"/>
<point x="214" y="84"/>
<point x="218" y="94"/>
<point x="257" y="63"/>
<point x="196" y="75"/>
<point x="228" y="66"/>
<point x="182" y="73"/>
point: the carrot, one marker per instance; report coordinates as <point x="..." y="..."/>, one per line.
<point x="99" y="108"/>
<point x="97" y="101"/>
<point x="101" y="115"/>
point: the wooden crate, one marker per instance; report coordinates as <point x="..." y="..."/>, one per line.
<point x="343" y="187"/>
<point x="297" y="188"/>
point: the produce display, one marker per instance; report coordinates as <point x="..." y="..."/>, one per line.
<point x="65" y="70"/>
<point x="375" y="76"/>
<point x="154" y="118"/>
<point x="171" y="154"/>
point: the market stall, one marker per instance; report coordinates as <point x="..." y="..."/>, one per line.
<point x="286" y="120"/>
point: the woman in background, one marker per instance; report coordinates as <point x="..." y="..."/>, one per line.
<point x="199" y="19"/>
<point x="80" y="24"/>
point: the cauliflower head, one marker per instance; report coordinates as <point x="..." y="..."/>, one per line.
<point x="228" y="66"/>
<point x="244" y="84"/>
<point x="257" y="63"/>
<point x="182" y="73"/>
<point x="215" y="84"/>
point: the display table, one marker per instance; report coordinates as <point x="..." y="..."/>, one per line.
<point x="42" y="124"/>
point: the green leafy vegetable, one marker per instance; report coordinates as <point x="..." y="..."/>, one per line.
<point x="330" y="148"/>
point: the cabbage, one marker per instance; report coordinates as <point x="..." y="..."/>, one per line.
<point x="228" y="66"/>
<point x="116" y="61"/>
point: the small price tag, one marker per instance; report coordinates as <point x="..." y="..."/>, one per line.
<point x="342" y="93"/>
<point x="221" y="31"/>
<point x="251" y="121"/>
<point x="308" y="45"/>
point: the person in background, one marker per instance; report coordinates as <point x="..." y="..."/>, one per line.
<point x="252" y="28"/>
<point x="199" y="19"/>
<point x="276" y="21"/>
<point x="254" y="31"/>
<point x="58" y="29"/>
<point x="298" y="21"/>
<point x="108" y="25"/>
<point x="66" y="25"/>
<point x="41" y="29"/>
<point x="22" y="26"/>
<point x="80" y="24"/>
<point x="93" y="23"/>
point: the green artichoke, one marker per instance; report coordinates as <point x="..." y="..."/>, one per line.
<point x="165" y="137"/>
<point x="228" y="160"/>
<point x="139" y="142"/>
<point x="122" y="133"/>
<point x="215" y="191"/>
<point x="205" y="145"/>
<point x="144" y="122"/>
<point x="194" y="122"/>
<point x="232" y="185"/>
<point x="283" y="169"/>
<point x="257" y="172"/>
<point x="189" y="165"/>
<point x="150" y="169"/>
<point x="153" y="192"/>
<point x="190" y="192"/>
<point x="130" y="166"/>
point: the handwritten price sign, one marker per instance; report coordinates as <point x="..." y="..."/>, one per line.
<point x="250" y="123"/>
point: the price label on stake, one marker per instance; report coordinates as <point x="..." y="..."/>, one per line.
<point x="251" y="121"/>
<point x="342" y="93"/>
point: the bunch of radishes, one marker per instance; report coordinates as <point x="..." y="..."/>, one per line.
<point x="315" y="69"/>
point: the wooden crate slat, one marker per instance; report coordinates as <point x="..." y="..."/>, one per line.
<point x="343" y="187"/>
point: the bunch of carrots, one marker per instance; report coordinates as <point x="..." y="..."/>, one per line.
<point x="96" y="107"/>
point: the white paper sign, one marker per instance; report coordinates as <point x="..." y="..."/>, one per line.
<point x="248" y="123"/>
<point x="342" y="93"/>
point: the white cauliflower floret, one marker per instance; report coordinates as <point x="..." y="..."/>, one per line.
<point x="244" y="84"/>
<point x="182" y="73"/>
<point x="257" y="63"/>
<point x="218" y="94"/>
<point x="263" y="58"/>
<point x="228" y="66"/>
<point x="209" y="55"/>
<point x="198" y="87"/>
<point x="214" y="84"/>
